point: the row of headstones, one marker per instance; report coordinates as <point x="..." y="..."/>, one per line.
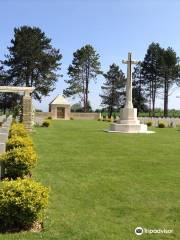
<point x="4" y="133"/>
<point x="171" y="122"/>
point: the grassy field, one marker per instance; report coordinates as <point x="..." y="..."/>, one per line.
<point x="104" y="185"/>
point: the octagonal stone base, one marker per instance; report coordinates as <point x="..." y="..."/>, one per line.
<point x="128" y="123"/>
<point x="128" y="128"/>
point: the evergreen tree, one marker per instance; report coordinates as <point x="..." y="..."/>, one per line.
<point x="3" y="82"/>
<point x="1" y="74"/>
<point x="169" y="73"/>
<point x="138" y="93"/>
<point x="32" y="61"/>
<point x="77" y="107"/>
<point x="8" y="101"/>
<point x="151" y="68"/>
<point x="113" y="89"/>
<point x="84" y="68"/>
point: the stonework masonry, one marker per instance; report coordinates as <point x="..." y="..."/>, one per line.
<point x="27" y="112"/>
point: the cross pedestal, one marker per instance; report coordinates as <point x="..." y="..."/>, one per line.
<point x="128" y="122"/>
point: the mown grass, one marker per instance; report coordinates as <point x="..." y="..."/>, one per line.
<point x="104" y="185"/>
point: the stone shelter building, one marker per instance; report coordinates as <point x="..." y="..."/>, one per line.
<point x="60" y="108"/>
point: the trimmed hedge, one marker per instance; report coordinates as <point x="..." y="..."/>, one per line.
<point x="22" y="200"/>
<point x="22" y="203"/>
<point x="18" y="141"/>
<point x="19" y="162"/>
<point x="18" y="129"/>
<point x="149" y="123"/>
<point x="161" y="125"/>
<point x="46" y="123"/>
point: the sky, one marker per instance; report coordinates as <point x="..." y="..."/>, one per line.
<point x="112" y="27"/>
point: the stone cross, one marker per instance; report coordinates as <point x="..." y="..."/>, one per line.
<point x="129" y="63"/>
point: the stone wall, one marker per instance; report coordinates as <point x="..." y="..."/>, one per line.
<point x="43" y="114"/>
<point x="74" y="115"/>
<point x="40" y="116"/>
<point x="85" y="116"/>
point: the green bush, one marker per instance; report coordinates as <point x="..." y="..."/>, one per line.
<point x="46" y="123"/>
<point x="114" y="116"/>
<point x="149" y="123"/>
<point x="161" y="125"/>
<point x="18" y="141"/>
<point x="99" y="119"/>
<point x="104" y="118"/>
<point x="19" y="162"/>
<point x="22" y="203"/>
<point x="18" y="129"/>
<point x="71" y="118"/>
<point x="49" y="118"/>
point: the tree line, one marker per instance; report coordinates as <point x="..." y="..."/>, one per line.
<point x="33" y="61"/>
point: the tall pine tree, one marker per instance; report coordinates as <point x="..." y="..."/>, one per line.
<point x="3" y="82"/>
<point x="138" y="93"/>
<point x="151" y="68"/>
<point x="169" y="73"/>
<point x="32" y="61"/>
<point x="84" y="68"/>
<point x="113" y="89"/>
<point x="8" y="101"/>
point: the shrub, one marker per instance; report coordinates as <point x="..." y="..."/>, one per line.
<point x="161" y="125"/>
<point x="49" y="118"/>
<point x="71" y="118"/>
<point x="22" y="203"/>
<point x="114" y="116"/>
<point x="149" y="123"/>
<point x="46" y="123"/>
<point x="0" y="124"/>
<point x="99" y="119"/>
<point x="104" y="118"/>
<point x="18" y="141"/>
<point x="18" y="129"/>
<point x="19" y="162"/>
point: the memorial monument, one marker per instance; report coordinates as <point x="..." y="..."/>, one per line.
<point x="128" y="122"/>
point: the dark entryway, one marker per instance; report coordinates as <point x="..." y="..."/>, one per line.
<point x="60" y="112"/>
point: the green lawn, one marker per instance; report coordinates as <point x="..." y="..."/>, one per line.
<point x="104" y="185"/>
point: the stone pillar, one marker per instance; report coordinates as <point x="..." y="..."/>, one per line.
<point x="67" y="112"/>
<point x="27" y="111"/>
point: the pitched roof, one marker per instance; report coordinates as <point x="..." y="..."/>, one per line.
<point x="60" y="100"/>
